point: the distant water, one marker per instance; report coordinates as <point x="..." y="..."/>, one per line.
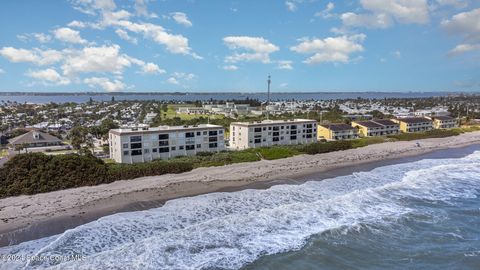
<point x="80" y="98"/>
<point x="418" y="215"/>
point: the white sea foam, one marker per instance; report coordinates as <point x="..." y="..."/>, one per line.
<point x="228" y="230"/>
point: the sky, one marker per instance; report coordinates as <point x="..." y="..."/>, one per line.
<point x="226" y="46"/>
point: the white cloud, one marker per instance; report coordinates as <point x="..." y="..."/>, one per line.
<point x="124" y="35"/>
<point x="283" y="85"/>
<point x="76" y="24"/>
<point x="40" y="37"/>
<point x="331" y="49"/>
<point x="230" y="67"/>
<point x="291" y="6"/>
<point x="463" y="48"/>
<point x="172" y="80"/>
<point x="36" y="56"/>
<point x="257" y="49"/>
<point x="285" y="64"/>
<point x="180" y="78"/>
<point x="105" y="83"/>
<point x="2" y="71"/>
<point x="181" y="18"/>
<point x="68" y="35"/>
<point x="327" y="12"/>
<point x="467" y="25"/>
<point x="96" y="59"/>
<point x="382" y="13"/>
<point x="91" y="7"/>
<point x="366" y="20"/>
<point x="151" y="68"/>
<point x="48" y="75"/>
<point x="142" y="10"/>
<point x="397" y="54"/>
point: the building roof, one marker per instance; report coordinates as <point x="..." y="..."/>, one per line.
<point x="146" y="130"/>
<point x="411" y="120"/>
<point x="385" y="122"/>
<point x="29" y="138"/>
<point x="273" y="122"/>
<point x="338" y="127"/>
<point x="368" y="124"/>
<point x="443" y="118"/>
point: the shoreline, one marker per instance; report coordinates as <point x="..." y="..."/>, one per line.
<point x="24" y="218"/>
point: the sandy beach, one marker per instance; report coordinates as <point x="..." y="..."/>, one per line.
<point x="19" y="214"/>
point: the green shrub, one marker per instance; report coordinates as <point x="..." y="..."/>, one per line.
<point x="434" y="133"/>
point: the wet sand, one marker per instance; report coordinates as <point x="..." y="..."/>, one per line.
<point x="24" y="218"/>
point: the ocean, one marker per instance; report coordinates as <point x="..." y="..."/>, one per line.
<point x="41" y="98"/>
<point x="421" y="214"/>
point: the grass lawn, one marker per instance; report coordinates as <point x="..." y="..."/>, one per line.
<point x="172" y="112"/>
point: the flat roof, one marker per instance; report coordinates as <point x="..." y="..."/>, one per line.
<point x="443" y="118"/>
<point x="273" y="122"/>
<point x="338" y="127"/>
<point x="385" y="122"/>
<point x="369" y="124"/>
<point x="131" y="130"/>
<point x="414" y="120"/>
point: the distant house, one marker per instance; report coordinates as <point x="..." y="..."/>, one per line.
<point x="337" y="132"/>
<point x="442" y="122"/>
<point x="414" y="124"/>
<point x="380" y="127"/>
<point x="35" y="138"/>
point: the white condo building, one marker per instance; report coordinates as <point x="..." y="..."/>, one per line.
<point x="135" y="145"/>
<point x="272" y="132"/>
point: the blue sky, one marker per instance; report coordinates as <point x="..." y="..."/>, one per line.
<point x="219" y="45"/>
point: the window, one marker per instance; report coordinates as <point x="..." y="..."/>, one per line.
<point x="135" y="138"/>
<point x="199" y="133"/>
<point x="181" y="147"/>
<point x="269" y="128"/>
<point x="189" y="134"/>
<point x="212" y="139"/>
<point x="258" y="140"/>
<point x="146" y="151"/>
<point x="190" y="147"/>
<point x="258" y="130"/>
<point x="212" y="133"/>
<point x="205" y="133"/>
<point x="154" y="150"/>
<point x="220" y="132"/>
<point x="164" y="149"/>
<point x="126" y="153"/>
<point x="199" y="146"/>
<point x="212" y="145"/>
<point x="125" y="145"/>
<point x="163" y="143"/>
<point x="137" y="152"/>
<point x="163" y="137"/>
<point x="264" y="128"/>
<point x="135" y="145"/>
<point x="276" y="133"/>
<point x="275" y="139"/>
<point x="293" y="138"/>
<point x="174" y="148"/>
<point x="276" y="128"/>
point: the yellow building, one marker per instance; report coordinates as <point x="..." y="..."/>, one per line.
<point x="337" y="132"/>
<point x="414" y="124"/>
<point x="378" y="127"/>
<point x="442" y="122"/>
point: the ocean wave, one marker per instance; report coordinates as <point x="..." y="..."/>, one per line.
<point x="229" y="230"/>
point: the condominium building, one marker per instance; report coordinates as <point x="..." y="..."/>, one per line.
<point x="272" y="132"/>
<point x="378" y="127"/>
<point x="337" y="132"/>
<point x="442" y="122"/>
<point x="134" y="145"/>
<point x="414" y="124"/>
